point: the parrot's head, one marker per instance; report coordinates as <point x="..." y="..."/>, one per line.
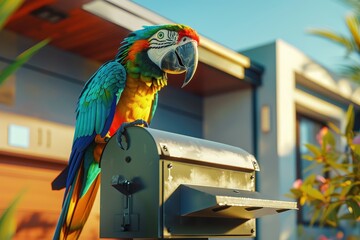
<point x="155" y="50"/>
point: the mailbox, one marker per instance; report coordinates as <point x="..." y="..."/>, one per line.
<point x="167" y="185"/>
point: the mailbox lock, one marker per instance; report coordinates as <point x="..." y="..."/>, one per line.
<point x="128" y="159"/>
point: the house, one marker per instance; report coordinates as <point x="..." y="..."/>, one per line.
<point x="297" y="97"/>
<point x="250" y="100"/>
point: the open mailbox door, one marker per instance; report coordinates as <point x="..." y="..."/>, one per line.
<point x="201" y="201"/>
<point x="168" y="185"/>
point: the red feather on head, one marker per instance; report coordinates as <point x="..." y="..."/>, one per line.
<point x="189" y="32"/>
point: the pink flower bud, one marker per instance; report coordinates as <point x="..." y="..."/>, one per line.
<point x="339" y="235"/>
<point x="323" y="237"/>
<point x="321" y="179"/>
<point x="297" y="184"/>
<point x="356" y="139"/>
<point x="323" y="131"/>
<point x="324" y="187"/>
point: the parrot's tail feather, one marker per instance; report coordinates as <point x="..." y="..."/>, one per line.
<point x="60" y="181"/>
<point x="78" y="209"/>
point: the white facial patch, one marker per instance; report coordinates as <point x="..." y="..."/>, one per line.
<point x="161" y="43"/>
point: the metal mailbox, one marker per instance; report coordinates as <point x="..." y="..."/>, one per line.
<point x="167" y="185"/>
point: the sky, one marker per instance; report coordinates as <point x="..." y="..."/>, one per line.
<point x="244" y="24"/>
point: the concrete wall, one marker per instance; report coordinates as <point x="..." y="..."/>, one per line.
<point x="228" y="119"/>
<point x="48" y="86"/>
<point x="275" y="150"/>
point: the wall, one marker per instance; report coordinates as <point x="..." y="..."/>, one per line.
<point x="228" y="118"/>
<point x="276" y="147"/>
<point x="48" y="86"/>
<point x="179" y="112"/>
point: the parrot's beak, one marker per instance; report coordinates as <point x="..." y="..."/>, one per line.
<point x="183" y="59"/>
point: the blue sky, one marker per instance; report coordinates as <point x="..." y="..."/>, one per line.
<point x="243" y="24"/>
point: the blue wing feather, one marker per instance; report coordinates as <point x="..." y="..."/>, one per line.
<point x="94" y="113"/>
<point x="94" y="108"/>
<point x="109" y="120"/>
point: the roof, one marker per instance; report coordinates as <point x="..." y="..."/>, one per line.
<point x="94" y="30"/>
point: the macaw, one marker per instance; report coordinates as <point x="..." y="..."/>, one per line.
<point x="121" y="91"/>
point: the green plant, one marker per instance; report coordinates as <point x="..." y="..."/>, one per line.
<point x="336" y="197"/>
<point x="7" y="8"/>
<point x="7" y="219"/>
<point x="351" y="43"/>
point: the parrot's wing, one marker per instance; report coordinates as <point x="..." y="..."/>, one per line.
<point x="94" y="114"/>
<point x="97" y="101"/>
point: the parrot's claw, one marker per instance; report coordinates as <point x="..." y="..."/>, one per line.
<point x="122" y="132"/>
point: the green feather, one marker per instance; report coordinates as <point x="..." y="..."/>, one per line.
<point x="91" y="170"/>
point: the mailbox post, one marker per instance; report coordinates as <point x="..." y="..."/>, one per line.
<point x="167" y="185"/>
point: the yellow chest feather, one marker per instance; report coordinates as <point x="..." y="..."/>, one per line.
<point x="136" y="101"/>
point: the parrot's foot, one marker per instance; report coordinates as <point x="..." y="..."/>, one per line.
<point x="122" y="131"/>
<point x="99" y="139"/>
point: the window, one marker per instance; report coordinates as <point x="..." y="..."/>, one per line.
<point x="306" y="130"/>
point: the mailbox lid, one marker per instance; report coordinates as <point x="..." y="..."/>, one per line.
<point x="194" y="149"/>
<point x="202" y="201"/>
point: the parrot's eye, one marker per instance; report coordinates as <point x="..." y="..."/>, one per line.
<point x="163" y="38"/>
<point x="184" y="39"/>
<point x="160" y="35"/>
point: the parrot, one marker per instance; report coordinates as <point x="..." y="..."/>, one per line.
<point x="122" y="92"/>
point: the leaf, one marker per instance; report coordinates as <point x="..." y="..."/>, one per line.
<point x="353" y="25"/>
<point x="351" y="71"/>
<point x="356" y="148"/>
<point x="330" y="190"/>
<point x="302" y="200"/>
<point x="334" y="37"/>
<point x="354" y="208"/>
<point x="296" y="192"/>
<point x="311" y="167"/>
<point x="309" y="180"/>
<point x="7" y="8"/>
<point x="346" y="216"/>
<point x="356" y="198"/>
<point x="333" y="127"/>
<point x="345" y="191"/>
<point x="289" y="195"/>
<point x="308" y="157"/>
<point x="337" y="166"/>
<point x="315" y="216"/>
<point x="7" y="219"/>
<point x="313" y="149"/>
<point x="330" y="213"/>
<point x="354" y="4"/>
<point x="313" y="193"/>
<point x="328" y="139"/>
<point x="21" y="59"/>
<point x="350" y="119"/>
<point x="331" y="222"/>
